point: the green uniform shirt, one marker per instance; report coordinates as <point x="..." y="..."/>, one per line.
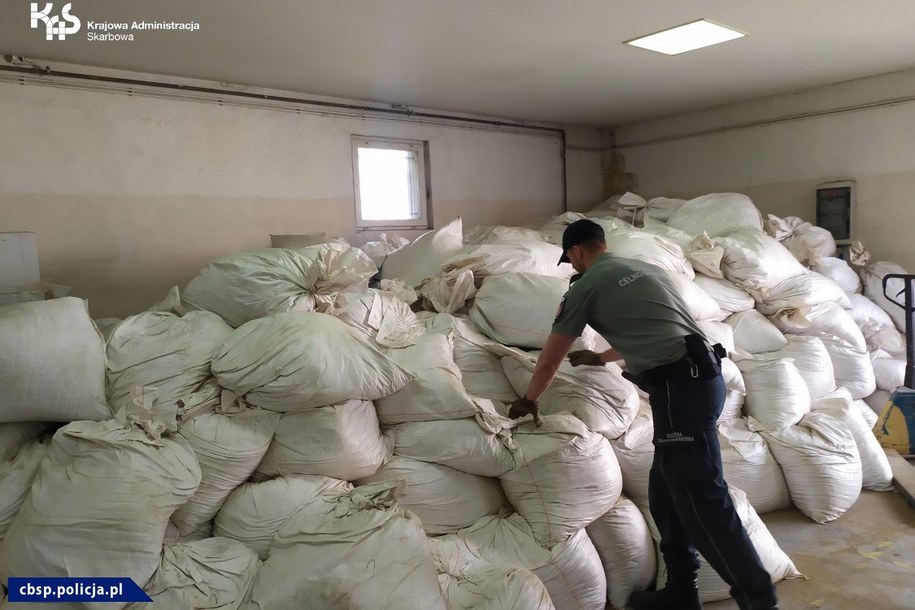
<point x="634" y="306"/>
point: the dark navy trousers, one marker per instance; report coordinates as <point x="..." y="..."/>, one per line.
<point x="688" y="496"/>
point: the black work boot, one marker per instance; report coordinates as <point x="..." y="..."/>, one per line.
<point x="680" y="594"/>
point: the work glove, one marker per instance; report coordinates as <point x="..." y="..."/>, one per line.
<point x="585" y="357"/>
<point x="524" y="406"/>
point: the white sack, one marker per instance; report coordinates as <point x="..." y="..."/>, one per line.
<point x="519" y="308"/>
<point x="777" y="395"/>
<point x="566" y="477"/>
<point x="717" y="214"/>
<point x="812" y="361"/>
<point x="16" y="434"/>
<point x="779" y="566"/>
<point x="701" y="305"/>
<point x="870" y="418"/>
<point x="635" y="454"/>
<point x="872" y="277"/>
<point x="628" y="206"/>
<point x="444" y="499"/>
<point x="293" y="361"/>
<point x="538" y="257"/>
<point x="662" y="208"/>
<point x="571" y="571"/>
<point x="171" y="353"/>
<point x="472" y="583"/>
<point x="336" y="538"/>
<point x="736" y="391"/>
<point x="754" y="333"/>
<point x="450" y="291"/>
<point x="501" y="234"/>
<point x="649" y="248"/>
<point x="388" y="320"/>
<point x="730" y="297"/>
<point x="889" y="373"/>
<point x="821" y="464"/>
<point x="597" y="395"/>
<point x="625" y="547"/>
<point x="718" y="332"/>
<point x="705" y="255"/>
<point x="755" y="261"/>
<point x="424" y="257"/>
<point x="339" y="267"/>
<point x="468" y="445"/>
<point x="877" y="326"/>
<point x="250" y="285"/>
<point x="481" y="370"/>
<point x="853" y="368"/>
<point x="805" y="290"/>
<point x="379" y="249"/>
<point x="555" y="227"/>
<point x="228" y="446"/>
<point x="100" y="505"/>
<point x="840" y="272"/>
<point x="875" y="466"/>
<point x="255" y="512"/>
<point x="52" y="363"/>
<point x="748" y="464"/>
<point x="810" y="244"/>
<point x="824" y="319"/>
<point x="17" y="475"/>
<point x="677" y="236"/>
<point x="436" y="391"/>
<point x="213" y="573"/>
<point x="877" y="402"/>
<point x="341" y="441"/>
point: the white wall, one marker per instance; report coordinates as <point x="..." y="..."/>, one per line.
<point x="130" y="195"/>
<point x="780" y="162"/>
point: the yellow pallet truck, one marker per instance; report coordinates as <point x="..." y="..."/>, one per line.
<point x="895" y="428"/>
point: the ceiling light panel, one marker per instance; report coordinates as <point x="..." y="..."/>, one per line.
<point x="688" y="37"/>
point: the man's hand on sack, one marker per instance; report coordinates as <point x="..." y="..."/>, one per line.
<point x="585" y="357"/>
<point x="524" y="406"/>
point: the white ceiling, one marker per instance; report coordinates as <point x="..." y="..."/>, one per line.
<point x="542" y="60"/>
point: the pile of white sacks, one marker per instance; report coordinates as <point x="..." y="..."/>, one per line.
<point x="278" y="435"/>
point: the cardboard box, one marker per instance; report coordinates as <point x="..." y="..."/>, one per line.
<point x="18" y="259"/>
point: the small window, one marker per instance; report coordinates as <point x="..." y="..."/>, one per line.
<point x="390" y="183"/>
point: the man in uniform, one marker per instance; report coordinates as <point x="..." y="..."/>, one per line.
<point x="634" y="306"/>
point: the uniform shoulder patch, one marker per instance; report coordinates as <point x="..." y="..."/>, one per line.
<point x="562" y="305"/>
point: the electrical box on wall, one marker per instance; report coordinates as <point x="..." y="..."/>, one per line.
<point x="836" y="210"/>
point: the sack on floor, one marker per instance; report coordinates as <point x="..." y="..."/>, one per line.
<point x="748" y="464"/>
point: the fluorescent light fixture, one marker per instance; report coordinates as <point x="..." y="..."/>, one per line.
<point x="686" y="37"/>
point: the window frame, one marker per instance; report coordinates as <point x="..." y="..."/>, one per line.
<point x="420" y="147"/>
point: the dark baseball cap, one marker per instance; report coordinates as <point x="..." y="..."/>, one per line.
<point x="579" y="232"/>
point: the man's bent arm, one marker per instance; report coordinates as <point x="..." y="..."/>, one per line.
<point x="611" y="355"/>
<point x="554" y="352"/>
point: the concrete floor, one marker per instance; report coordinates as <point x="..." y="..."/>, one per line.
<point x="863" y="561"/>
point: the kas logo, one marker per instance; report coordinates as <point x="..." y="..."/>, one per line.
<point x="54" y="25"/>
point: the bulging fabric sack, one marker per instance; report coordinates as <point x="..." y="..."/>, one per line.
<point x="875" y="466"/>
<point x="853" y="368"/>
<point x="821" y="463"/>
<point x="424" y="257"/>
<point x="840" y="272"/>
<point x="469" y="581"/>
<point x="635" y="454"/>
<point x="171" y="353"/>
<point x="755" y="261"/>
<point x="649" y="248"/>
<point x="379" y="249"/>
<point x="748" y="464"/>
<point x="872" y="276"/>
<point x="341" y="441"/>
<point x="338" y="267"/>
<point x="572" y="571"/>
<point x="718" y="332"/>
<point x="777" y="395"/>
<point x="889" y="373"/>
<point x="388" y="320"/>
<point x="736" y="391"/>
<point x="436" y="390"/>
<point x="753" y="333"/>
<point x="701" y="305"/>
<point x="470" y="445"/>
<point x="823" y="319"/>
<point x="804" y="290"/>
<point x="301" y="360"/>
<point x="555" y="227"/>
<point x="255" y="512"/>
<point x="228" y="446"/>
<point x="211" y="573"/>
<point x="717" y="214"/>
<point x="812" y="360"/>
<point x="626" y="550"/>
<point x="597" y="395"/>
<point x="444" y="499"/>
<point x="519" y="308"/>
<point x="566" y="477"/>
<point x="877" y="326"/>
<point x="481" y="369"/>
<point x="779" y="566"/>
<point x="52" y="364"/>
<point x="17" y="434"/>
<point x="501" y="234"/>
<point x="730" y="297"/>
<point x="100" y="505"/>
<point x="537" y="257"/>
<point x="17" y="475"/>
<point x="810" y="244"/>
<point x="250" y="285"/>
<point x="337" y="538"/>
